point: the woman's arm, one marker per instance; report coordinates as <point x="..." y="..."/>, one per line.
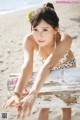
<point x="61" y="49"/>
<point x="27" y="67"/>
<point x="28" y="101"/>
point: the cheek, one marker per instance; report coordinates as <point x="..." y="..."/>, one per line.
<point x="50" y="37"/>
<point x="35" y="35"/>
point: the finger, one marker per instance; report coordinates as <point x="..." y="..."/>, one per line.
<point x="24" y="115"/>
<point x="24" y="111"/>
<point x="19" y="110"/>
<point x="29" y="110"/>
<point x="7" y="103"/>
<point x="19" y="113"/>
<point x="13" y="104"/>
<point x="10" y="104"/>
<point x="3" y="105"/>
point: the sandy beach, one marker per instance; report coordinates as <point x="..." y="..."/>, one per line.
<point x="13" y="28"/>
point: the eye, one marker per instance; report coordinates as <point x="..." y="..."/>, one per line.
<point x="45" y="30"/>
<point x="34" y="29"/>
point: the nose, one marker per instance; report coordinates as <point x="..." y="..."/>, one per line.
<point x="40" y="34"/>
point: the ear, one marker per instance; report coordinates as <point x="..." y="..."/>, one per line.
<point x="56" y="30"/>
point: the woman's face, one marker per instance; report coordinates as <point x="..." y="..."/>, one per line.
<point x="44" y="34"/>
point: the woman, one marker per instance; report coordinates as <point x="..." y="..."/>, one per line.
<point x="54" y="51"/>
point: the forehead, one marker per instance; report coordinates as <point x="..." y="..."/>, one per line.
<point x="43" y="24"/>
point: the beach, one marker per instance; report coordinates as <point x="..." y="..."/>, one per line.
<point x="13" y="28"/>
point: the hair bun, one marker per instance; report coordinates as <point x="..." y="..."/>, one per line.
<point x="50" y="5"/>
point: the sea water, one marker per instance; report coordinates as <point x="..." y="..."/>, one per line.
<point x="13" y="5"/>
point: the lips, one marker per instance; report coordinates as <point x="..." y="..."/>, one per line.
<point x="41" y="41"/>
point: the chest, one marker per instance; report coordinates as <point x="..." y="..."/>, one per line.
<point x="44" y="53"/>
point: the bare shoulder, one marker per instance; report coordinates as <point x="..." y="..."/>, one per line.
<point x="30" y="42"/>
<point x="66" y="38"/>
<point x="65" y="42"/>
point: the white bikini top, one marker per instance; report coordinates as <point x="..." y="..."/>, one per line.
<point x="62" y="60"/>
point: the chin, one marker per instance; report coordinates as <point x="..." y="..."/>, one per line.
<point x="42" y="45"/>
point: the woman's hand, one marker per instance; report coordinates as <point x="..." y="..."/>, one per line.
<point x="12" y="102"/>
<point x="26" y="105"/>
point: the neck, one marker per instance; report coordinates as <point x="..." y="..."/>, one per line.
<point x="58" y="37"/>
<point x="51" y="45"/>
<point x="47" y="47"/>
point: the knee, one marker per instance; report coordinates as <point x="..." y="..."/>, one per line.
<point x="66" y="110"/>
<point x="44" y="110"/>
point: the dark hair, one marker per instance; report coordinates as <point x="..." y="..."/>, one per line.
<point x="47" y="13"/>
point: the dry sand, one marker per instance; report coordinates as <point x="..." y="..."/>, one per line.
<point x="13" y="28"/>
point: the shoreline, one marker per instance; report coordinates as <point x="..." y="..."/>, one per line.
<point x="5" y="12"/>
<point x="9" y="11"/>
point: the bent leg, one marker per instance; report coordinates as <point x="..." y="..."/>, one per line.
<point x="66" y="114"/>
<point x="43" y="114"/>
